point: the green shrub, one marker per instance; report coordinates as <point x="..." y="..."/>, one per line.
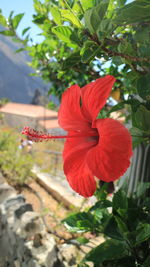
<point x="15" y="163"/>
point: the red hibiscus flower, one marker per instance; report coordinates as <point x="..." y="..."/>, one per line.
<point x="94" y="147"/>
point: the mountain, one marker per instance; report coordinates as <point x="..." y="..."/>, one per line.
<point x="15" y="82"/>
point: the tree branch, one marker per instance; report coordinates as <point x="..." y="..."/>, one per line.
<point x="114" y="53"/>
<point x="142" y="71"/>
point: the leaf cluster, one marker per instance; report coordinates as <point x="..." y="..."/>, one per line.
<point x="124" y="223"/>
<point x="81" y="36"/>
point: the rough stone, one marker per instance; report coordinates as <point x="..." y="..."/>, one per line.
<point x="69" y="255"/>
<point x="4" y="241"/>
<point x="13" y="201"/>
<point x="33" y="263"/>
<point x="12" y="237"/>
<point x="6" y="192"/>
<point x="22" y="209"/>
<point x="17" y="263"/>
<point x="30" y="224"/>
<point x="46" y="254"/>
<point x="24" y="241"/>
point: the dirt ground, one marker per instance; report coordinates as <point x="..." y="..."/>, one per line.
<point x="52" y="211"/>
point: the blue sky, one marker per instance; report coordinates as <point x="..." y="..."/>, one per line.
<point x="22" y="6"/>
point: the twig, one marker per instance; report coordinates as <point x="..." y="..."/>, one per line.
<point x="144" y="71"/>
<point x="114" y="53"/>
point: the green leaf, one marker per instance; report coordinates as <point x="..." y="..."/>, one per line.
<point x="102" y="204"/>
<point x="17" y="40"/>
<point x="143" y="87"/>
<point x="65" y="33"/>
<point x="121" y="2"/>
<point x="77" y="7"/>
<point x="133" y="102"/>
<point x="10" y="16"/>
<point x="72" y="60"/>
<point x="80" y="222"/>
<point x="143" y="233"/>
<point x="117" y="107"/>
<point x="39" y="19"/>
<point x="117" y="60"/>
<point x="111" y="8"/>
<point x="109" y="250"/>
<point x="134" y="12"/>
<point x="87" y="4"/>
<point x="82" y="240"/>
<point x="125" y="47"/>
<point x="3" y="20"/>
<point x="102" y="216"/>
<point x="147" y="262"/>
<point x="102" y="193"/>
<point x="87" y="20"/>
<point x="111" y="229"/>
<point x="39" y="7"/>
<point x="141" y="189"/>
<point x="89" y="51"/>
<point x="141" y="119"/>
<point x="137" y="136"/>
<point x="67" y="14"/>
<point x="144" y="50"/>
<point x="121" y="225"/>
<point x="133" y="213"/>
<point x="56" y="15"/>
<point x="83" y="265"/>
<point x="120" y="200"/>
<point x="106" y="26"/>
<point x="19" y="50"/>
<point x="25" y="30"/>
<point x="17" y="19"/>
<point x="7" y="33"/>
<point x="142" y="35"/>
<point x="146" y="203"/>
<point x="94" y="16"/>
<point x="128" y="261"/>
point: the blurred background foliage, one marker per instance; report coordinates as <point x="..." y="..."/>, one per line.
<point x="15" y="163"/>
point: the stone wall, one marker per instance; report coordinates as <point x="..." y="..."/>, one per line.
<point x="24" y="241"/>
<point x="19" y="121"/>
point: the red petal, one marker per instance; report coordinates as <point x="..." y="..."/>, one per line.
<point x="111" y="157"/>
<point x="94" y="96"/>
<point x="76" y="169"/>
<point x="69" y="115"/>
